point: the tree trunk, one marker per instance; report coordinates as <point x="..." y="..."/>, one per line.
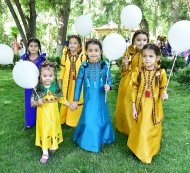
<point x="32" y="19"/>
<point x="24" y="21"/>
<point x="17" y="21"/>
<point x="144" y="25"/>
<point x="63" y="22"/>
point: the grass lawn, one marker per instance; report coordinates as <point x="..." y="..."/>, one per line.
<point x="19" y="154"/>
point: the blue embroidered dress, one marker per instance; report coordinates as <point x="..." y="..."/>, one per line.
<point x="94" y="127"/>
<point x="30" y="112"/>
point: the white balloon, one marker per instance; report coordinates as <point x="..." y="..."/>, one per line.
<point x="25" y="74"/>
<point x="6" y="54"/>
<point x="179" y="36"/>
<point x="131" y="16"/>
<point x="83" y="25"/>
<point x="114" y="46"/>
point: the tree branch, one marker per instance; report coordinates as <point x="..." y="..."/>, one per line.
<point x="22" y="17"/>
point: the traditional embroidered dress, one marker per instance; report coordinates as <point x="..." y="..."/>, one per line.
<point x="69" y="70"/>
<point x="123" y="115"/>
<point x="30" y="112"/>
<point x="94" y="127"/>
<point x="145" y="135"/>
<point x="48" y="127"/>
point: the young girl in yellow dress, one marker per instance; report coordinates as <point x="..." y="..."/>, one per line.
<point x="48" y="127"/>
<point x="149" y="83"/>
<point x="131" y="60"/>
<point x="71" y="60"/>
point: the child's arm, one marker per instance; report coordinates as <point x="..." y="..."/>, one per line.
<point x="163" y="83"/>
<point x="125" y="62"/>
<point x="135" y="87"/>
<point x="135" y="116"/>
<point x="62" y="72"/>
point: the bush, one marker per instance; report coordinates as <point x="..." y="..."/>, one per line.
<point x="179" y="64"/>
<point x="10" y="66"/>
<point x="183" y="76"/>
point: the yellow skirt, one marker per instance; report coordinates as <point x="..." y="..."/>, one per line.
<point x="48" y="127"/>
<point x="123" y="115"/>
<point x="144" y="139"/>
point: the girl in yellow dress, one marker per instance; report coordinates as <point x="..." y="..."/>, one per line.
<point x="131" y="60"/>
<point x="71" y="60"/>
<point x="46" y="97"/>
<point x="148" y="91"/>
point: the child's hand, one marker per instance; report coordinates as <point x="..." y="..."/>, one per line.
<point x="164" y="96"/>
<point x="40" y="102"/>
<point x="73" y="105"/>
<point x="106" y="88"/>
<point x="125" y="61"/>
<point x="135" y="116"/>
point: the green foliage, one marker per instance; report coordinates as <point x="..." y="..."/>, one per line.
<point x="167" y="63"/>
<point x="55" y="59"/>
<point x="183" y="76"/>
<point x="10" y="66"/>
<point x="14" y="31"/>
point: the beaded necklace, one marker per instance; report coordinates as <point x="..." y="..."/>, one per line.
<point x="89" y="69"/>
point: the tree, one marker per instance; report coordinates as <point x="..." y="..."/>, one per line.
<point x="61" y="9"/>
<point x="26" y="23"/>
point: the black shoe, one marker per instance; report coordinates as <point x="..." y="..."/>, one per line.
<point x="26" y="128"/>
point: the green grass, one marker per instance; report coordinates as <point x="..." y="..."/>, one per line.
<point x="19" y="154"/>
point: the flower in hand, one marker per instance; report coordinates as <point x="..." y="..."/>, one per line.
<point x="164" y="96"/>
<point x="106" y="88"/>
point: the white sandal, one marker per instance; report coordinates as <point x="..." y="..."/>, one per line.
<point x="44" y="158"/>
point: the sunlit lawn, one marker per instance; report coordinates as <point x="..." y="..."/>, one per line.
<point x="19" y="154"/>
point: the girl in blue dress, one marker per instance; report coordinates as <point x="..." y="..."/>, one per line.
<point x="35" y="56"/>
<point x="94" y="127"/>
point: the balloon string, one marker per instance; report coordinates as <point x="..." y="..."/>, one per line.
<point x="107" y="83"/>
<point x="44" y="109"/>
<point x="175" y="57"/>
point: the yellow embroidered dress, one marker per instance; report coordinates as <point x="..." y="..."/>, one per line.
<point x="48" y="127"/>
<point x="123" y="115"/>
<point x="145" y="135"/>
<point x="69" y="70"/>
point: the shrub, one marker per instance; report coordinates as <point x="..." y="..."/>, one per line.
<point x="183" y="76"/>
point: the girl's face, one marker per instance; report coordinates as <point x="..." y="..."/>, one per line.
<point x="33" y="48"/>
<point x="140" y="41"/>
<point x="47" y="76"/>
<point x="73" y="44"/>
<point x="93" y="52"/>
<point x="149" y="58"/>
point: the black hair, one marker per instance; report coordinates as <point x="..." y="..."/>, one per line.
<point x="96" y="42"/>
<point x="140" y="32"/>
<point x="157" y="51"/>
